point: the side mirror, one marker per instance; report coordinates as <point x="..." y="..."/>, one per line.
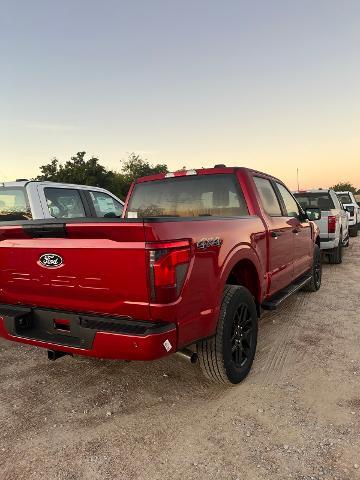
<point x="313" y="213"/>
<point x="350" y="210"/>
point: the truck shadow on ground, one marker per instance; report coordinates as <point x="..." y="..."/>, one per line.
<point x="77" y="389"/>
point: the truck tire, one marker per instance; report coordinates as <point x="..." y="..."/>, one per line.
<point x="227" y="357"/>
<point x="353" y="231"/>
<point x="315" y="283"/>
<point x="335" y="258"/>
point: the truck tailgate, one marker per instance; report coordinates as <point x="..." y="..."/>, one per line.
<point x="103" y="267"/>
<point x="323" y="223"/>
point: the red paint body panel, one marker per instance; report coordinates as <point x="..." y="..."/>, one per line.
<point x="196" y="312"/>
<point x="106" y="271"/>
<point x="101" y="271"/>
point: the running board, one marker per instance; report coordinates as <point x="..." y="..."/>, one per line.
<point x="273" y="302"/>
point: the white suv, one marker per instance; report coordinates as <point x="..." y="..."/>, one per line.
<point x="353" y="209"/>
<point x="334" y="222"/>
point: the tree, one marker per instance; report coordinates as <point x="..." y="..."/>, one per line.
<point x="344" y="187"/>
<point x="135" y="167"/>
<point x="78" y="170"/>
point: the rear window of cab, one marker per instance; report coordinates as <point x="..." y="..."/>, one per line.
<point x="320" y="200"/>
<point x="188" y="196"/>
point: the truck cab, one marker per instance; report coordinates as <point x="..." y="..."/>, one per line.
<point x="33" y="200"/>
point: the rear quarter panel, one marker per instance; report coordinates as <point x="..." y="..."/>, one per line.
<point x="197" y="310"/>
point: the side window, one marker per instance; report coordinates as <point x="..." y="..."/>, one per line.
<point x="268" y="197"/>
<point x="290" y="204"/>
<point x="14" y="204"/>
<point x="105" y="205"/>
<point x="64" y="202"/>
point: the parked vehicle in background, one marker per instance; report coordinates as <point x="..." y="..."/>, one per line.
<point x="349" y="202"/>
<point x="195" y="259"/>
<point x="32" y="200"/>
<point x="334" y="222"/>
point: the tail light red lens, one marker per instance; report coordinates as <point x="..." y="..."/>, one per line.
<point x="168" y="266"/>
<point x="332" y="224"/>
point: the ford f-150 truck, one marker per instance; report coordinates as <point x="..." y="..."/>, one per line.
<point x="349" y="202"/>
<point x="334" y="222"/>
<point x="196" y="257"/>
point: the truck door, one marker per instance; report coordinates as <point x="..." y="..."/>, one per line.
<point x="281" y="237"/>
<point x="103" y="205"/>
<point x="301" y="231"/>
<point x="63" y="202"/>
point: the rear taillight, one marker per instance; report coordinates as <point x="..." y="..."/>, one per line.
<point x="168" y="266"/>
<point x="332" y="223"/>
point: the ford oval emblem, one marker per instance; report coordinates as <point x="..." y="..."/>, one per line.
<point x="51" y="260"/>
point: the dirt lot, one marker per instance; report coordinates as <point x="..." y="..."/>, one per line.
<point x="296" y="416"/>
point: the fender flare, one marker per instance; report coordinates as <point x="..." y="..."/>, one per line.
<point x="243" y="251"/>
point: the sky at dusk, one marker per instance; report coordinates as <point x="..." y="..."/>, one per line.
<point x="272" y="85"/>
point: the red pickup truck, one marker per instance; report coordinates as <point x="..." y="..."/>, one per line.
<point x="196" y="257"/>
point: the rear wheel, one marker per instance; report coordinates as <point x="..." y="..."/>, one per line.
<point x="335" y="257"/>
<point x="315" y="283"/>
<point x="353" y="231"/>
<point x="228" y="355"/>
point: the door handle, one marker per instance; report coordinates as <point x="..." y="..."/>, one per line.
<point x="275" y="234"/>
<point x="296" y="231"/>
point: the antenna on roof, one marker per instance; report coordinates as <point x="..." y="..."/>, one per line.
<point x="297" y="178"/>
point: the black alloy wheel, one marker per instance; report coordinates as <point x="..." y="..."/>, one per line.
<point x="242" y="336"/>
<point x="227" y="356"/>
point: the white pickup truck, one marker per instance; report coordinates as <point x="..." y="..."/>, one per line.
<point x="334" y="222"/>
<point x="353" y="209"/>
<point x="32" y="200"/>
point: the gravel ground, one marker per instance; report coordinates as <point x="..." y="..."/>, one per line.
<point x="297" y="415"/>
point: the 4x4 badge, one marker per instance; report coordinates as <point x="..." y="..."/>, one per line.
<point x="50" y="260"/>
<point x="209" y="242"/>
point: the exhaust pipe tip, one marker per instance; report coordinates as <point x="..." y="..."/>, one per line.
<point x="194" y="358"/>
<point x="188" y="355"/>
<point x="55" y="354"/>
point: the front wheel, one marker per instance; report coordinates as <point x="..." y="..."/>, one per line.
<point x="316" y="272"/>
<point x="228" y="355"/>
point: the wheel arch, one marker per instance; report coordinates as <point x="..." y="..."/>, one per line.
<point x="244" y="270"/>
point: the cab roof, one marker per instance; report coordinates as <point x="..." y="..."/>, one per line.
<point x="23" y="183"/>
<point x="203" y="171"/>
<point x="314" y="190"/>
